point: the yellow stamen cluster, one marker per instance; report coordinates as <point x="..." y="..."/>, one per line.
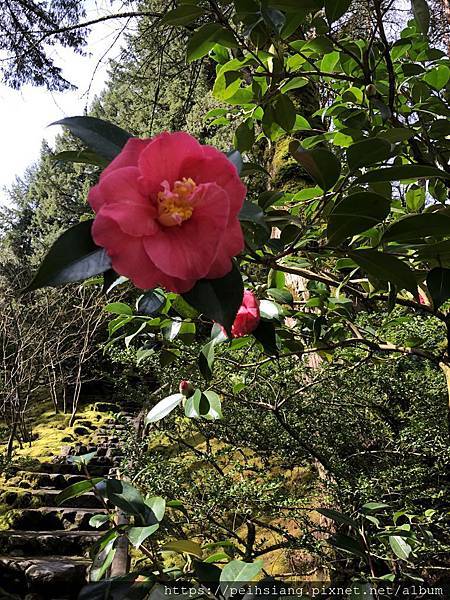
<point x="175" y="206"/>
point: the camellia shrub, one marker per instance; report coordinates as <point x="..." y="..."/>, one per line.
<point x="354" y="218"/>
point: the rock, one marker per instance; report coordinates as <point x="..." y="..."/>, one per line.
<point x="67" y="438"/>
<point x="80" y="430"/>
<point x="106" y="407"/>
<point x="10" y="498"/>
<point x="26" y="485"/>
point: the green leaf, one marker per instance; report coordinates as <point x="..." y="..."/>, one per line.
<point x="335" y="9"/>
<point x="414" y="227"/>
<point x="151" y="303"/>
<point x="77" y="489"/>
<point x="397" y="134"/>
<point x="126" y="497"/>
<point x="252" y="213"/>
<point x="73" y="257"/>
<point x="244" y="136"/>
<point x="348" y="544"/>
<point x="438" y="282"/>
<point x="102" y="560"/>
<point x="157" y="505"/>
<point x="265" y="334"/>
<point x="438" y="77"/>
<point x="421" y="14"/>
<point x="294" y="84"/>
<point x="322" y="165"/>
<point x="283" y="296"/>
<point x="338" y="517"/>
<point x="138" y="535"/>
<point x="183" y="547"/>
<point x="239" y="571"/>
<point x="415" y="198"/>
<point x="119" y="308"/>
<point x="104" y="138"/>
<point x="400" y="547"/>
<point x="163" y="408"/>
<point x="206" y="37"/>
<point x="368" y="152"/>
<point x="98" y="520"/>
<point x="284" y="112"/>
<point x="400" y="173"/>
<point x="235" y="158"/>
<point x="86" y="157"/>
<point x="218" y="299"/>
<point x="374" y="506"/>
<point x="182" y="15"/>
<point x="206" y="360"/>
<point x="215" y="405"/>
<point x="355" y="214"/>
<point x="81" y="459"/>
<point x="385" y="267"/>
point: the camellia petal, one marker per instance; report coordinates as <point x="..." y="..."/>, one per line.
<point x="215" y="166"/>
<point x="232" y="245"/>
<point x="128" y="157"/>
<point x="161" y="160"/>
<point x="133" y="219"/>
<point x="187" y="251"/>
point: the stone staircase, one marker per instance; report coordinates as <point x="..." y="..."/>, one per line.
<point x="45" y="553"/>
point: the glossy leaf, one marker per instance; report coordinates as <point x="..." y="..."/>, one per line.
<point x="182" y="15"/>
<point x="322" y="165"/>
<point x="218" y="299"/>
<point x="338" y="517"/>
<point x="265" y="334"/>
<point x="206" y="37"/>
<point x="401" y="173"/>
<point x="138" y="535"/>
<point x="183" y="547"/>
<point x="421" y="14"/>
<point x="238" y="571"/>
<point x="385" y="267"/>
<point x="104" y="138"/>
<point x="414" y="227"/>
<point x="355" y="214"/>
<point x="86" y="157"/>
<point x="400" y="546"/>
<point x="438" y="283"/>
<point x="73" y="257"/>
<point x="348" y="544"/>
<point x="335" y="9"/>
<point x="163" y="408"/>
<point x="368" y="152"/>
<point x="77" y="489"/>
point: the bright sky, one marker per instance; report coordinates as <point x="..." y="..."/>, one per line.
<point x="25" y="114"/>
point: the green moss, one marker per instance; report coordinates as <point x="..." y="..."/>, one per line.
<point x="287" y="174"/>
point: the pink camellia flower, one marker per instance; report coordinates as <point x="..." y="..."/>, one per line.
<point x="167" y="212"/>
<point x="248" y="317"/>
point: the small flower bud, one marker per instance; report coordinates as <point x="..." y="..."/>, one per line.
<point x="186" y="388"/>
<point x="371" y="91"/>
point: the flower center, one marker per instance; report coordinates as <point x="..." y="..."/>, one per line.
<point x="175" y="206"/>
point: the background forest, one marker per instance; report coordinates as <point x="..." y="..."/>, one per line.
<point x="353" y="431"/>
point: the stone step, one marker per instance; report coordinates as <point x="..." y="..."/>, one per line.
<point x="45" y="575"/>
<point x="97" y="467"/>
<point x="48" y="497"/>
<point x="59" y="481"/>
<point x="54" y="519"/>
<point x="40" y="543"/>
